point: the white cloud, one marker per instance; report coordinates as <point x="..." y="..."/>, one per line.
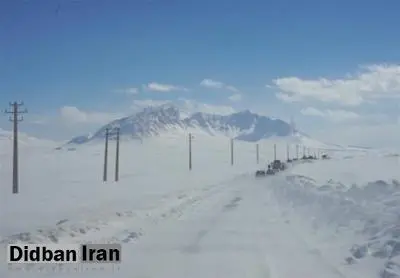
<point x="311" y="111"/>
<point x="209" y="83"/>
<point x="187" y="106"/>
<point x="235" y="97"/>
<point x="371" y="83"/>
<point x="287" y="98"/>
<point x="158" y="87"/>
<point x="192" y="106"/>
<point x="342" y="115"/>
<point x="72" y="115"/>
<point x="333" y="115"/>
<point x="128" y="91"/>
<point x="233" y="89"/>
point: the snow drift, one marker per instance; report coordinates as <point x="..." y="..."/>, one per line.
<point x="355" y="204"/>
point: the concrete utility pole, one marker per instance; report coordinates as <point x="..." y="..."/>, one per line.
<point x="117" y="157"/>
<point x="190" y="151"/>
<point x="15" y="118"/>
<point x="258" y="153"/>
<point x="231" y="151"/>
<point x="106" y="155"/>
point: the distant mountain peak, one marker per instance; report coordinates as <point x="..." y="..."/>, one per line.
<point x="157" y="120"/>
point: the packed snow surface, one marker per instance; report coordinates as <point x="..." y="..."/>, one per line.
<point x="325" y="218"/>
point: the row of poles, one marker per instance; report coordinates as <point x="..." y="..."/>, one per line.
<point x="16" y="112"/>
<point x="116" y="132"/>
<point x="306" y="152"/>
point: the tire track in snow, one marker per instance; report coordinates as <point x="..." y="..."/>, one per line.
<point x="116" y="231"/>
<point x="191" y="246"/>
<point x="194" y="246"/>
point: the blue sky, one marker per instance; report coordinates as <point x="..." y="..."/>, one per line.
<point x="330" y="64"/>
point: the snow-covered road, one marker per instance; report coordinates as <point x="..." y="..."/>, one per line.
<point x="235" y="229"/>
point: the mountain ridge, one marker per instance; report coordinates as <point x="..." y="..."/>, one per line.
<point x="157" y="120"/>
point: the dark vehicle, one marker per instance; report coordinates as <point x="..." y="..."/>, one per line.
<point x="277" y="165"/>
<point x="325" y="156"/>
<point x="270" y="171"/>
<point x="263" y="173"/>
<point x="260" y="173"/>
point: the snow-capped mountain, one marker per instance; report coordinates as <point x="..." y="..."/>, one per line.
<point x="155" y="121"/>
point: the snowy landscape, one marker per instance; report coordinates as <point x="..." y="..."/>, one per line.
<point x="320" y="218"/>
<point x="200" y="139"/>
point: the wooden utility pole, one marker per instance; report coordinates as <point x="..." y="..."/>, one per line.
<point x="117" y="157"/>
<point x="287" y="152"/>
<point x="231" y="151"/>
<point x="190" y="151"/>
<point x="15" y="118"/>
<point x="258" y="153"/>
<point x="105" y="155"/>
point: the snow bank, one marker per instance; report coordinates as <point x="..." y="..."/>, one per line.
<point x="355" y="203"/>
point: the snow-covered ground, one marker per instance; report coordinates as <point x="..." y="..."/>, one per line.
<point x="349" y="205"/>
<point x="63" y="184"/>
<point x="331" y="218"/>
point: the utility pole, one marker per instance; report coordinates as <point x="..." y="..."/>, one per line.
<point x="190" y="151"/>
<point x="274" y="152"/>
<point x="232" y="151"/>
<point x="117" y="157"/>
<point x="15" y="118"/>
<point x="105" y="155"/>
<point x="297" y="151"/>
<point x="258" y="153"/>
<point x="287" y="152"/>
<point x="304" y="151"/>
